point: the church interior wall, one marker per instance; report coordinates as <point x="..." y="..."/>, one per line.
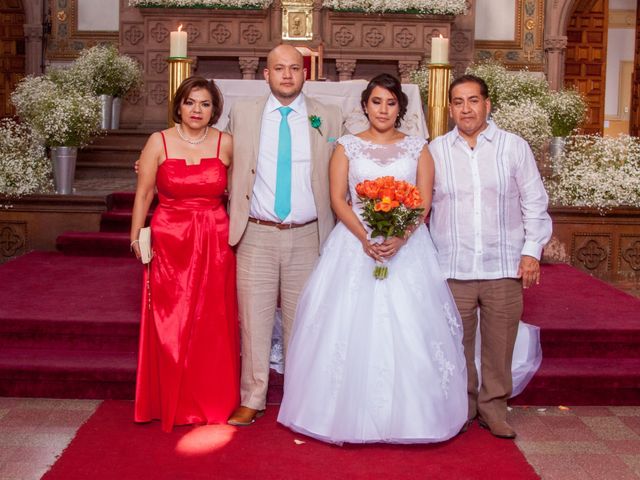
<point x="511" y="31"/>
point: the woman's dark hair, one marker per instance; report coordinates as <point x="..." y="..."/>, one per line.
<point x="484" y="89"/>
<point x="392" y="84"/>
<point x="183" y="91"/>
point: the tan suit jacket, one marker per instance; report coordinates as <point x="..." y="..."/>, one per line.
<point x="245" y="121"/>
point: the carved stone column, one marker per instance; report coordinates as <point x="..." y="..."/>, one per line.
<point x="345" y="68"/>
<point x="405" y="67"/>
<point x="249" y="67"/>
<point x="33" y="48"/>
<point x="555" y="49"/>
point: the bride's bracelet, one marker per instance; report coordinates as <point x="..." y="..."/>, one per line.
<point x="131" y="244"/>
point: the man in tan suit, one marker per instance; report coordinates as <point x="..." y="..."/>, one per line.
<point x="277" y="246"/>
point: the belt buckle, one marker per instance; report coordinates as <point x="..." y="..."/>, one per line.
<point x="284" y="226"/>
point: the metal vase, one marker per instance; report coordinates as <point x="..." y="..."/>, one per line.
<point x="106" y="105"/>
<point x="64" y="168"/>
<point x="556" y="146"/>
<point x="115" y="113"/>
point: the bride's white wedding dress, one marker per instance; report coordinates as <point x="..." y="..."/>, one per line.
<point x="376" y="360"/>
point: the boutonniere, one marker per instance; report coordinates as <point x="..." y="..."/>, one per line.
<point x="316" y="122"/>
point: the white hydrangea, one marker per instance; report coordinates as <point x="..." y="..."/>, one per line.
<point x="24" y="167"/>
<point x="59" y="113"/>
<point x="201" y="3"/>
<point x="526" y="119"/>
<point x="597" y="172"/>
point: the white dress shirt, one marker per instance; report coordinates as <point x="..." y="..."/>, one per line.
<point x="303" y="208"/>
<point x="489" y="205"/>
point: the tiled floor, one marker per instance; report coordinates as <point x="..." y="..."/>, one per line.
<point x="562" y="443"/>
<point x="34" y="432"/>
<point x="567" y="443"/>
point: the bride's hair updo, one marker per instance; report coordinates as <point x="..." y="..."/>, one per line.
<point x="392" y="84"/>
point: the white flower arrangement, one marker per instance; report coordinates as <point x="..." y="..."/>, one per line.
<point x="427" y="7"/>
<point x="60" y="114"/>
<point x="517" y="98"/>
<point x="104" y="71"/>
<point x="597" y="172"/>
<point x="506" y="86"/>
<point x="24" y="166"/>
<point x="201" y="3"/>
<point x="527" y="119"/>
<point x="420" y="76"/>
<point x="567" y="109"/>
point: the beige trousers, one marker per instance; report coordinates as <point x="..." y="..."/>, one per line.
<point x="269" y="262"/>
<point x="500" y="304"/>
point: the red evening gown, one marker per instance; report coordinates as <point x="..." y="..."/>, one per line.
<point x="188" y="365"/>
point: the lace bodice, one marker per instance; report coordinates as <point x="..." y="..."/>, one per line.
<point x="368" y="161"/>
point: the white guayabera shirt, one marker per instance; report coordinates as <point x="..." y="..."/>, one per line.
<point x="489" y="205"/>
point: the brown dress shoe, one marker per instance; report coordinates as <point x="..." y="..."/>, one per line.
<point x="500" y="429"/>
<point x="244" y="416"/>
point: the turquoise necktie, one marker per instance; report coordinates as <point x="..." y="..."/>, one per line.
<point x="282" y="205"/>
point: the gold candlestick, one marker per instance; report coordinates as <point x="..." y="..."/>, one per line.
<point x="438" y="102"/>
<point x="179" y="70"/>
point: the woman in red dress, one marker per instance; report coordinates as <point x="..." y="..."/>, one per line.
<point x="188" y="365"/>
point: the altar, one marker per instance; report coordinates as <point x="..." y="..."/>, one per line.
<point x="233" y="44"/>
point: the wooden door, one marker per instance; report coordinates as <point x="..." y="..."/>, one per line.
<point x="634" y="120"/>
<point x="12" y="55"/>
<point x="585" y="64"/>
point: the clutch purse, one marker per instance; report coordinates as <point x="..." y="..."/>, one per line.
<point x="144" y="242"/>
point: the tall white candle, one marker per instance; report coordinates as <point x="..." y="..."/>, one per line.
<point x="178" y="44"/>
<point x="439" y="50"/>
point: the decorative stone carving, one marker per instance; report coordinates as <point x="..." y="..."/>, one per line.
<point x="405" y="68"/>
<point x="13" y="238"/>
<point x="429" y="35"/>
<point x="343" y="36"/>
<point x="159" y="32"/>
<point x="192" y="32"/>
<point x="251" y="34"/>
<point x="248" y="67"/>
<point x="405" y="37"/>
<point x="158" y="93"/>
<point x="592" y="254"/>
<point x="345" y="68"/>
<point x="460" y="41"/>
<point x="220" y="33"/>
<point x="134" y="96"/>
<point x="631" y="255"/>
<point x="33" y="32"/>
<point x="555" y="44"/>
<point x="159" y="63"/>
<point x="373" y="37"/>
<point x="133" y="34"/>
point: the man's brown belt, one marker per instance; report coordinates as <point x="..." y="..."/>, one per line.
<point x="280" y="226"/>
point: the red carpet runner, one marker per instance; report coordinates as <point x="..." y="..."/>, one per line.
<point x="110" y="446"/>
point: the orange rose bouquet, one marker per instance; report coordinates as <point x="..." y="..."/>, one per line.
<point x="389" y="208"/>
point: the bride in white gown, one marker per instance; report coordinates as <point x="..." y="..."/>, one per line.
<point x="376" y="360"/>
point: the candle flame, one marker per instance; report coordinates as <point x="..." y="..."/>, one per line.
<point x="440" y="34"/>
<point x="180" y="28"/>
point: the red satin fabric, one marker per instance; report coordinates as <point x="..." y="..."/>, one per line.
<point x="188" y="365"/>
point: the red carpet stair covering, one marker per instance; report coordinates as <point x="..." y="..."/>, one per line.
<point x="69" y="325"/>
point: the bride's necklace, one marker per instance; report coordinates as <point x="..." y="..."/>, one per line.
<point x="191" y="140"/>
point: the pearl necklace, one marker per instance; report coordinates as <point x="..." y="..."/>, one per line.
<point x="189" y="140"/>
